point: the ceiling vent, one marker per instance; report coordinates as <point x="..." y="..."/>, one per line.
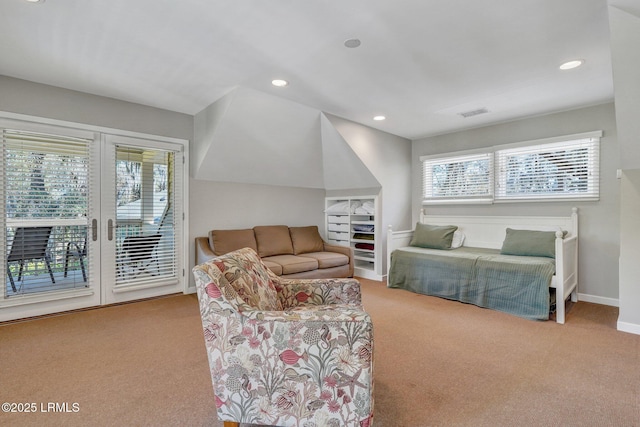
<point x="474" y="112"/>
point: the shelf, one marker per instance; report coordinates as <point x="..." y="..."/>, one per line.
<point x="367" y="262"/>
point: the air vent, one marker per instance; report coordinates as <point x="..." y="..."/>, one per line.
<point x="474" y="112"/>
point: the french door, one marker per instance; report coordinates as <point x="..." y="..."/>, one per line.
<point x="89" y="218"/>
<point x="140" y="220"/>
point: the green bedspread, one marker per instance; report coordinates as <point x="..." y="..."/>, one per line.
<point x="517" y="285"/>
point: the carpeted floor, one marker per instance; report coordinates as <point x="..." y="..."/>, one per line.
<point x="437" y="363"/>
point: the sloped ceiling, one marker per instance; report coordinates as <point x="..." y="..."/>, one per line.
<point x="421" y="62"/>
<point x="255" y="138"/>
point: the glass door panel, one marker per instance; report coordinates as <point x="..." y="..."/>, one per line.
<point x="142" y="226"/>
<point x="46" y="204"/>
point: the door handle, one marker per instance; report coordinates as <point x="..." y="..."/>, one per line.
<point x="110" y="230"/>
<point x="94" y="229"/>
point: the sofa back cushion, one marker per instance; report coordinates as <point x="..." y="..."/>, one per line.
<point x="306" y="239"/>
<point x="225" y="241"/>
<point x="273" y="240"/>
<point x="249" y="278"/>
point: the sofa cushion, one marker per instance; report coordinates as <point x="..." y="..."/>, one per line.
<point x="306" y="239"/>
<point x="273" y="266"/>
<point x="225" y="241"/>
<point x="328" y="259"/>
<point x="250" y="278"/>
<point x="293" y="263"/>
<point x="273" y="240"/>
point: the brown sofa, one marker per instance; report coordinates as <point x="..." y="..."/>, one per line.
<point x="290" y="252"/>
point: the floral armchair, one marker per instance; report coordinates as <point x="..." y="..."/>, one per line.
<point x="285" y="352"/>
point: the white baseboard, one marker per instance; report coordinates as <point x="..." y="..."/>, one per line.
<point x="367" y="274"/>
<point x="614" y="302"/>
<point x="629" y="327"/>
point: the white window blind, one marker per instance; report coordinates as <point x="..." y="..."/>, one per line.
<point x="460" y="178"/>
<point x="558" y="170"/>
<point x="146" y="224"/>
<point x="45" y="205"/>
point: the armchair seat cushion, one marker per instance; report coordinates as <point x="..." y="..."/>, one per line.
<point x="328" y="259"/>
<point x="293" y="264"/>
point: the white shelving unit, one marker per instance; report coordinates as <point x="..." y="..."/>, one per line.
<point x="354" y="221"/>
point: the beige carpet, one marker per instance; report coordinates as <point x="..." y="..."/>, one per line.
<point x="437" y="363"/>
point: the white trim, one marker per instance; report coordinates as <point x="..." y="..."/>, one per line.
<point x="453" y="154"/>
<point x="469" y="201"/>
<point x="563" y="138"/>
<point x="631" y="328"/>
<point x="595" y="299"/>
<point x="45" y="297"/>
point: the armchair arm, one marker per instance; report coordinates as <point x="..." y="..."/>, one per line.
<point x="314" y="292"/>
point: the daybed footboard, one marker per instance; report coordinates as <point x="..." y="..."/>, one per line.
<point x="489" y="232"/>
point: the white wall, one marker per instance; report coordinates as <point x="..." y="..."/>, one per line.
<point x="598" y="222"/>
<point x="236" y="139"/>
<point x="388" y="157"/>
<point x="624" y="24"/>
<point x="24" y="97"/>
<point x="223" y="205"/>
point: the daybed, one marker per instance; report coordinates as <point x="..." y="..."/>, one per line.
<point x="290" y="252"/>
<point x="478" y="273"/>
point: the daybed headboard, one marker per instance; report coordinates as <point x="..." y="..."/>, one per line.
<point x="489" y="231"/>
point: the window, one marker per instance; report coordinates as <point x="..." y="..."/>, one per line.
<point x="552" y="169"/>
<point x="457" y="178"/>
<point x="560" y="170"/>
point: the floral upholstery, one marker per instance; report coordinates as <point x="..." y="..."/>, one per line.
<point x="303" y="359"/>
<point x="252" y="283"/>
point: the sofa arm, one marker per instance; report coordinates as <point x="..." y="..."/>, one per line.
<point x="345" y="250"/>
<point x="203" y="251"/>
<point x="313" y="292"/>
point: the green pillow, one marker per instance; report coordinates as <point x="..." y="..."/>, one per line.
<point x="433" y="236"/>
<point x="529" y="243"/>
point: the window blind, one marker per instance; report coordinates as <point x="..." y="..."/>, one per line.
<point x="457" y="178"/>
<point x="146" y="223"/>
<point x="45" y="205"/>
<point x="560" y="170"/>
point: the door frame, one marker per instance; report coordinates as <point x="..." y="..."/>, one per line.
<point x="60" y="301"/>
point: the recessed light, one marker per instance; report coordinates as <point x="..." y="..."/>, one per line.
<point x="572" y="64"/>
<point x="379" y="118"/>
<point x="351" y="43"/>
<point x="279" y="82"/>
<point x="35" y="1"/>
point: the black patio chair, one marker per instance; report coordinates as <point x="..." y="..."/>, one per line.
<point x="79" y="251"/>
<point x="29" y="243"/>
<point x="140" y="254"/>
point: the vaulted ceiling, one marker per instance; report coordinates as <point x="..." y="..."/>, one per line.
<point x="420" y="62"/>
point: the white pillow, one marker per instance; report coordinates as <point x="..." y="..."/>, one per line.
<point x="458" y="239"/>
